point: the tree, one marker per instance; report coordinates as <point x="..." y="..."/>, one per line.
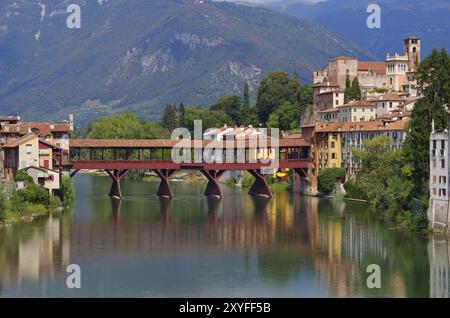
<point x="210" y="118"/>
<point x="286" y="117"/>
<point x="246" y="105"/>
<point x="434" y="84"/>
<point x="348" y="90"/>
<point x="182" y="115"/>
<point x="67" y="192"/>
<point x="275" y="89"/>
<point x="169" y="118"/>
<point x="356" y="89"/>
<point x="352" y="90"/>
<point x="327" y="179"/>
<point x="125" y="126"/>
<point x="231" y="106"/>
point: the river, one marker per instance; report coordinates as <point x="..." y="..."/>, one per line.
<point x="192" y="246"/>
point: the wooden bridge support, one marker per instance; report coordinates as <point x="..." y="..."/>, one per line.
<point x="116" y="175"/>
<point x="165" y="190"/>
<point x="260" y="187"/>
<point x="213" y="176"/>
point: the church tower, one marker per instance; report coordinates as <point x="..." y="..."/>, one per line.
<point x="412" y="51"/>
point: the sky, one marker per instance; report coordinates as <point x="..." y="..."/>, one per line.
<point x="268" y="1"/>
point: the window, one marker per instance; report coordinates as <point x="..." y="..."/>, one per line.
<point x="442" y="144"/>
<point x="337" y="94"/>
<point x="434" y="191"/>
<point x="28" y="149"/>
<point x="442" y="179"/>
<point x="434" y="179"/>
<point x="332" y="144"/>
<point x="442" y="163"/>
<point x="333" y="155"/>
<point x="434" y="144"/>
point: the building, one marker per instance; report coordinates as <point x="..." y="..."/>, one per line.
<point x="47" y="178"/>
<point x="34" y="155"/>
<point x="438" y="211"/>
<point x="388" y="103"/>
<point x="390" y="74"/>
<point x="334" y="142"/>
<point x="356" y="111"/>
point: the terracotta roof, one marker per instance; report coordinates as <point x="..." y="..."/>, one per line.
<point x="43" y="128"/>
<point x="294" y="136"/>
<point x="375" y="125"/>
<point x="326" y="111"/>
<point x="163" y="143"/>
<point x="388" y="97"/>
<point x="376" y="67"/>
<point x="19" y="141"/>
<point x="358" y="103"/>
<point x="9" y="118"/>
<point x="45" y="142"/>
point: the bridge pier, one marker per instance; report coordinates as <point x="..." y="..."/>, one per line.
<point x="116" y="175"/>
<point x="213" y="176"/>
<point x="260" y="187"/>
<point x="165" y="190"/>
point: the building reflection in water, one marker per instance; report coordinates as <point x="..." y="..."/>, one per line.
<point x="439" y="256"/>
<point x="36" y="251"/>
<point x="279" y="238"/>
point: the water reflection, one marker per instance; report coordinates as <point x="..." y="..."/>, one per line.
<point x="144" y="246"/>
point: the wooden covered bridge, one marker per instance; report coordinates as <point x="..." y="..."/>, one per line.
<point x="117" y="157"/>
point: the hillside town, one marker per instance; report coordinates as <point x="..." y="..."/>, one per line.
<point x="352" y="102"/>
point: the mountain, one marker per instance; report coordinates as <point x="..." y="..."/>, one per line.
<point x="430" y="20"/>
<point x="139" y="55"/>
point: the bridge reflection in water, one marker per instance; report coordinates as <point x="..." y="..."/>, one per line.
<point x="287" y="241"/>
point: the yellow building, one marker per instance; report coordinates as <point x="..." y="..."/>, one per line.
<point x="328" y="144"/>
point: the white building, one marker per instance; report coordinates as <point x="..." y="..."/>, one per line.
<point x="438" y="211"/>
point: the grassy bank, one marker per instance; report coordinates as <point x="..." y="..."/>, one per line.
<point x="33" y="201"/>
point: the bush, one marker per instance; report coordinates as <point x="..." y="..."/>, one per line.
<point x="67" y="194"/>
<point x="248" y="180"/>
<point x="35" y="194"/>
<point x="327" y="179"/>
<point x="3" y="202"/>
<point x="22" y="176"/>
<point x="55" y="202"/>
<point x="354" y="190"/>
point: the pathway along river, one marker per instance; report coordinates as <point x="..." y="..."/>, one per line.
<point x="192" y="246"/>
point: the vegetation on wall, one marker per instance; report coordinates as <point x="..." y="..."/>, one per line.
<point x="327" y="178"/>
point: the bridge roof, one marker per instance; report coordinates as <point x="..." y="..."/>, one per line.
<point x="167" y="143"/>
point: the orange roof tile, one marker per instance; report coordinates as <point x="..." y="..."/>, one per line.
<point x="376" y="67"/>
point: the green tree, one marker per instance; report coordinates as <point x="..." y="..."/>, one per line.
<point x="434" y="84"/>
<point x="231" y="106"/>
<point x="352" y="90"/>
<point x="35" y="194"/>
<point x="209" y="118"/>
<point x="275" y="89"/>
<point x="169" y="118"/>
<point x="125" y="126"/>
<point x="246" y="105"/>
<point x="181" y="115"/>
<point x="327" y="179"/>
<point x="348" y="90"/>
<point x="356" y="89"/>
<point x="67" y="193"/>
<point x="286" y="117"/>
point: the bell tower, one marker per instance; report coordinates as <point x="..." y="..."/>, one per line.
<point x="412" y="51"/>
